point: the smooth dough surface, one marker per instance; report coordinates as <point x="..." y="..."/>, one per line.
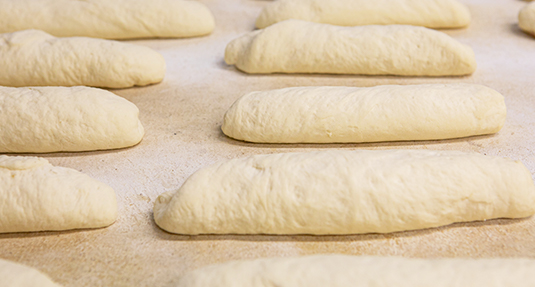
<point x="35" y="58"/>
<point x="17" y="275"/>
<point x="52" y="119"/>
<point x="353" y="271"/>
<point x="427" y="13"/>
<point x="117" y="19"/>
<point x="346" y="192"/>
<point x="36" y="196"/>
<point x="526" y="19"/>
<point x="295" y="46"/>
<point x="350" y="114"/>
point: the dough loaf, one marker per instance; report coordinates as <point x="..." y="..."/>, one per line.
<point x="52" y="119"/>
<point x="427" y="13"/>
<point x="349" y="114"/>
<point x="354" y="271"/>
<point x="346" y="192"/>
<point x="295" y="46"/>
<point x="35" y="58"/>
<point x="116" y="19"/>
<point x="526" y="19"/>
<point x="36" y="196"/>
<point x="16" y="275"/>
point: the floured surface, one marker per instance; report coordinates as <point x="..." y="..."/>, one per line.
<point x="182" y="117"/>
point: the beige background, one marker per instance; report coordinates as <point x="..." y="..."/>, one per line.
<point x="182" y="117"/>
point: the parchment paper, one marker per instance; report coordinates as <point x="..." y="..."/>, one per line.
<point x="182" y="117"/>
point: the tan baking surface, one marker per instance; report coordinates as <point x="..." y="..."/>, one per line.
<point x="182" y="117"/>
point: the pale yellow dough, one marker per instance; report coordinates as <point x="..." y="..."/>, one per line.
<point x="52" y="119"/>
<point x="427" y="13"/>
<point x="346" y="192"/>
<point x="17" y="275"/>
<point x="295" y="46"/>
<point x="350" y="114"/>
<point x="526" y="19"/>
<point x="35" y="58"/>
<point x="110" y="19"/>
<point x="36" y="196"/>
<point x="353" y="271"/>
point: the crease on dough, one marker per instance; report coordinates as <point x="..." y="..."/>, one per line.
<point x="363" y="271"/>
<point x="295" y="46"/>
<point x="53" y="119"/>
<point x="17" y="275"/>
<point x="352" y="114"/>
<point x="117" y="19"/>
<point x="429" y="13"/>
<point x="346" y="192"/>
<point x="36" y="196"/>
<point x="35" y="58"/>
<point x="526" y="19"/>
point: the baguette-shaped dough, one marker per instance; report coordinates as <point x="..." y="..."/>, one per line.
<point x="349" y="114"/>
<point x="52" y="119"/>
<point x="427" y="13"/>
<point x="354" y="271"/>
<point x="295" y="46"/>
<point x="17" y="275"/>
<point x="526" y="19"/>
<point x="116" y="19"/>
<point x="346" y="192"/>
<point x="35" y="58"/>
<point x="36" y="196"/>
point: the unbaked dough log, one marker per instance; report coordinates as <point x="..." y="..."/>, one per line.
<point x="526" y="19"/>
<point x="52" y="119"/>
<point x="17" y="275"/>
<point x="295" y="46"/>
<point x="427" y="13"/>
<point x="349" y="114"/>
<point x="35" y="58"/>
<point x="36" y="196"/>
<point x="353" y="271"/>
<point x="346" y="192"/>
<point x="116" y="19"/>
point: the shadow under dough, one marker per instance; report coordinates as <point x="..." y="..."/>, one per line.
<point x="164" y="235"/>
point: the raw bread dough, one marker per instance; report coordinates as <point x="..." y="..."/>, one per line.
<point x="349" y="114"/>
<point x="526" y="19"/>
<point x="116" y="19"/>
<point x="346" y="192"/>
<point x="36" y="196"/>
<point x="427" y="13"/>
<point x="51" y="119"/>
<point x="295" y="46"/>
<point x="16" y="275"/>
<point x="354" y="271"/>
<point x="34" y="58"/>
